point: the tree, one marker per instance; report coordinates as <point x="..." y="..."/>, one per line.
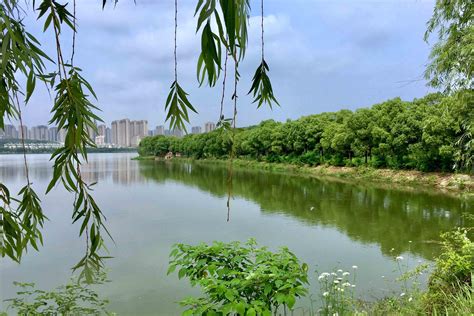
<point x="451" y="64"/>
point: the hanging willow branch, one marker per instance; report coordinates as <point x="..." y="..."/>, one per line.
<point x="74" y="112"/>
<point x="21" y="219"/>
<point x="177" y="103"/>
<point x="261" y="89"/>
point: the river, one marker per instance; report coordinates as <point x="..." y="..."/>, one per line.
<point x="151" y="205"/>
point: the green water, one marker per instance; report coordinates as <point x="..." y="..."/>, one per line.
<point x="152" y="205"/>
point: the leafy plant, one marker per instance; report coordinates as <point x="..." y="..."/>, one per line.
<point x="454" y="270"/>
<point x="74" y="298"/>
<point x="239" y="278"/>
<point x="262" y="87"/>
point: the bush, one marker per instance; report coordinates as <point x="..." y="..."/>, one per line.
<point x="454" y="269"/>
<point x="75" y="298"/>
<point x="239" y="278"/>
<point x="310" y="158"/>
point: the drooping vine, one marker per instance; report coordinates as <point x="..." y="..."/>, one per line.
<point x="261" y="89"/>
<point x="177" y="103"/>
<point x="74" y="112"/>
<point x="22" y="218"/>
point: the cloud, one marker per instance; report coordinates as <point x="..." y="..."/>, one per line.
<point x="322" y="55"/>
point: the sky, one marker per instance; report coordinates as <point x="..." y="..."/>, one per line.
<point x="324" y="55"/>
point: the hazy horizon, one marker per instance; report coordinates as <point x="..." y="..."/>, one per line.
<point x="323" y="56"/>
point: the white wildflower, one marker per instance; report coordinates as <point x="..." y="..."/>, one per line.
<point x="336" y="281"/>
<point x="410" y="299"/>
<point x="325" y="294"/>
<point x="334" y="274"/>
<point x="353" y="285"/>
<point x="354" y="267"/>
<point x="402" y="294"/>
<point x="321" y="277"/>
<point x="339" y="271"/>
<point x="399" y="258"/>
<point x="346" y="284"/>
<point x="346" y="273"/>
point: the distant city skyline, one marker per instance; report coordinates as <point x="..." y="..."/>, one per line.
<point x="121" y="133"/>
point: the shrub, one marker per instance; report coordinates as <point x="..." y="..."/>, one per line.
<point x="239" y="278"/>
<point x="75" y="298"/>
<point x="453" y="271"/>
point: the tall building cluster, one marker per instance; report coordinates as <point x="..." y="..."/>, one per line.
<point x="122" y="133"/>
<point x="40" y="132"/>
<point x="126" y="133"/>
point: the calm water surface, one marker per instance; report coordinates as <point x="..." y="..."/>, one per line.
<point x="152" y="205"/>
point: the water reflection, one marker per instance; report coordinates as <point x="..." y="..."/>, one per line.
<point x="121" y="169"/>
<point x="367" y="214"/>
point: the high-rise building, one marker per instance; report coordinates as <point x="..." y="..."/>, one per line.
<point x="99" y="140"/>
<point x="160" y="130"/>
<point x="101" y="130"/>
<point x="10" y="131"/>
<point x="108" y="136"/>
<point x="209" y="127"/>
<point x="91" y="131"/>
<point x="123" y="133"/>
<point x="53" y="134"/>
<point x="62" y="135"/>
<point x="114" y="139"/>
<point x="138" y="131"/>
<point x="196" y="130"/>
<point x="25" y="134"/>
<point x="39" y="132"/>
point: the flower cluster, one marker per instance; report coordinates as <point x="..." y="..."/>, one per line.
<point x="337" y="291"/>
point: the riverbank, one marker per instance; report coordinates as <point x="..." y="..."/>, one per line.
<point x="447" y="182"/>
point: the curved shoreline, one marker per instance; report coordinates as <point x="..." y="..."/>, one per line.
<point x="453" y="183"/>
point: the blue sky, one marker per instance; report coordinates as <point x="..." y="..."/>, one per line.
<point x="323" y="56"/>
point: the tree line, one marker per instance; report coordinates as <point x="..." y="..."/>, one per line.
<point x="423" y="134"/>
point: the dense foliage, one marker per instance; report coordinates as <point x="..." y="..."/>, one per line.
<point x="239" y="279"/>
<point x="421" y="135"/>
<point x="74" y="298"/>
<point x="454" y="268"/>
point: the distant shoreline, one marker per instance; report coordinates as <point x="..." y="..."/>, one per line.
<point x="457" y="183"/>
<point x="89" y="151"/>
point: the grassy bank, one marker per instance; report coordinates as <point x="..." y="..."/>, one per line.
<point x="448" y="182"/>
